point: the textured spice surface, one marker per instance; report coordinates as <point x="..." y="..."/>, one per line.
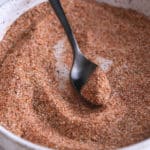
<point x="97" y="90"/>
<point x="37" y="101"/>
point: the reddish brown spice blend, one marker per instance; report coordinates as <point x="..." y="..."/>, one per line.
<point x="97" y="90"/>
<point x="37" y="101"/>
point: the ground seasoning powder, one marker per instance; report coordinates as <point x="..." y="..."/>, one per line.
<point x="97" y="89"/>
<point x="37" y="101"/>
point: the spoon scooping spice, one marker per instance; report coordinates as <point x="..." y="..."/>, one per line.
<point x="82" y="68"/>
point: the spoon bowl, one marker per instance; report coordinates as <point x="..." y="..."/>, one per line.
<point x="81" y="70"/>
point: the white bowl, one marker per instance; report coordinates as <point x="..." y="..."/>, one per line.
<point x="10" y="10"/>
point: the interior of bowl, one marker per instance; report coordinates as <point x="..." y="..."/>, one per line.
<point x="10" y="10"/>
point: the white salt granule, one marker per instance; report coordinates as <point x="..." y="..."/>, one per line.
<point x="62" y="71"/>
<point x="105" y="64"/>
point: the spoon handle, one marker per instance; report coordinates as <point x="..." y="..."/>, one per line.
<point x="56" y="5"/>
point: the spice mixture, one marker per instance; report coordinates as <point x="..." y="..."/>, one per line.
<point x="37" y="101"/>
<point x="97" y="90"/>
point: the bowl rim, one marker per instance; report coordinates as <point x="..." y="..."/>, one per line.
<point x="143" y="145"/>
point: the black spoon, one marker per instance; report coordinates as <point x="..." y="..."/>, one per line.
<point x="82" y="68"/>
